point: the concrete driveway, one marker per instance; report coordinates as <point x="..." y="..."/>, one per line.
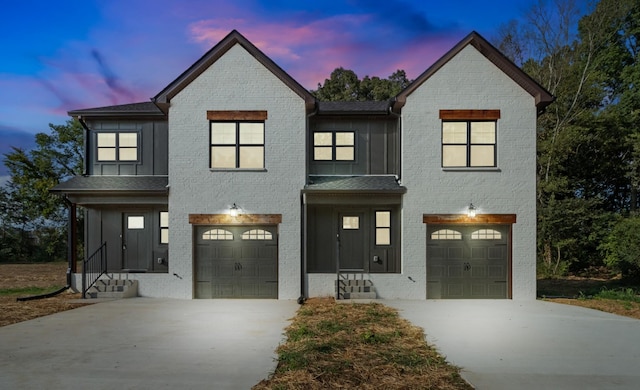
<point x="531" y="345"/>
<point x="144" y="343"/>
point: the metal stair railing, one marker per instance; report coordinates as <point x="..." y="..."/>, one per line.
<point x="93" y="268"/>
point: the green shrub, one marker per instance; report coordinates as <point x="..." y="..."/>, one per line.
<point x="622" y="247"/>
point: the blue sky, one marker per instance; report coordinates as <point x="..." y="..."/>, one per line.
<point x="67" y="54"/>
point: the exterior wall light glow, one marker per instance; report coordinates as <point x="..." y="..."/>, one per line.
<point x="233" y="211"/>
<point x="471" y="211"/>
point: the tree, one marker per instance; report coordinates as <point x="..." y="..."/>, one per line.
<point x="344" y="85"/>
<point x="586" y="147"/>
<point x="622" y="247"/>
<point x="34" y="221"/>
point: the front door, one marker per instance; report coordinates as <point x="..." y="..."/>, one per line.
<point x="136" y="241"/>
<point x="353" y="241"/>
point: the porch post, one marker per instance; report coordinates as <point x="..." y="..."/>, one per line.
<point x="72" y="242"/>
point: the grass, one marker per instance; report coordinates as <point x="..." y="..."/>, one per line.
<point x="27" y="291"/>
<point x="620" y="294"/>
<point x="23" y="280"/>
<point x="609" y="295"/>
<point x="364" y="346"/>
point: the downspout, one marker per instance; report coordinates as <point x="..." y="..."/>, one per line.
<point x="85" y="167"/>
<point x="303" y="212"/>
<point x="72" y="237"/>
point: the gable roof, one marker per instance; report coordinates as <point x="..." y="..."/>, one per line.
<point x="163" y="98"/>
<point x="542" y="97"/>
<point x="145" y="109"/>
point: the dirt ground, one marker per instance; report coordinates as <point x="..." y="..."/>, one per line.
<point x="48" y="276"/>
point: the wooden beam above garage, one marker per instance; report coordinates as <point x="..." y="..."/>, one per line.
<point x="242" y="219"/>
<point x="464" y="219"/>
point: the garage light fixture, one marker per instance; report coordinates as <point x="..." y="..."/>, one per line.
<point x="471" y="211"/>
<point x="233" y="211"/>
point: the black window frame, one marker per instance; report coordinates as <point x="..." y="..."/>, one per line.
<point x="238" y="146"/>
<point x="117" y="146"/>
<point x="334" y="146"/>
<point x="468" y="144"/>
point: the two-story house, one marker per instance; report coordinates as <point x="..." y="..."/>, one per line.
<point x="234" y="181"/>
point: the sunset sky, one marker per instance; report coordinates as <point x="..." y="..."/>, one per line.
<point x="63" y="55"/>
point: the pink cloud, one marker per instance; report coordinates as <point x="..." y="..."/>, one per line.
<point x="310" y="51"/>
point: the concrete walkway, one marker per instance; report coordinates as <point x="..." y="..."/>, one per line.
<point x="531" y="345"/>
<point x="144" y="343"/>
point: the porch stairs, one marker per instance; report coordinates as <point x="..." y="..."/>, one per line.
<point x="354" y="286"/>
<point x="113" y="288"/>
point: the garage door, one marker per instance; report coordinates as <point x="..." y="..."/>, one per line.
<point x="467" y="261"/>
<point x="236" y="262"/>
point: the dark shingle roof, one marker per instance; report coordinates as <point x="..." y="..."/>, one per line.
<point x="136" y="109"/>
<point x="362" y="108"/>
<point x="354" y="184"/>
<point x="119" y="184"/>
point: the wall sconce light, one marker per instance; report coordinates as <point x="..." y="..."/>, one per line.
<point x="233" y="211"/>
<point x="471" y="211"/>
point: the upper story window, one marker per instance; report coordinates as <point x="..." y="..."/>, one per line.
<point x="469" y="138"/>
<point x="334" y="146"/>
<point x="120" y="146"/>
<point x="237" y="139"/>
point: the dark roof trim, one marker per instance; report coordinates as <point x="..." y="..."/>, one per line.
<point x="354" y="108"/>
<point x="101" y="185"/>
<point x="143" y="109"/>
<point x="542" y="97"/>
<point x="163" y="98"/>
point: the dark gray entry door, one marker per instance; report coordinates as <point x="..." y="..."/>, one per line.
<point x="467" y="261"/>
<point x="136" y="241"/>
<point x="353" y="235"/>
<point x="236" y="262"/>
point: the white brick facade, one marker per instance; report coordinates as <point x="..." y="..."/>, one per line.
<point x="470" y="81"/>
<point x="237" y="81"/>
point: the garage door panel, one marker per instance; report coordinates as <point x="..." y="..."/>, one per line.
<point x="203" y="289"/>
<point x="435" y="252"/>
<point x="478" y="290"/>
<point x="497" y="290"/>
<point x="224" y="252"/>
<point x="497" y="271"/>
<point x="455" y="290"/>
<point x="455" y="253"/>
<point x="241" y="263"/>
<point x="474" y="260"/>
<point x="479" y="253"/>
<point x="478" y="271"/>
<point x="455" y="270"/>
<point x="223" y="268"/>
<point x="222" y="289"/>
<point x="496" y="253"/>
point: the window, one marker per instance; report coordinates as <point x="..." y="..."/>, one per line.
<point x="135" y="222"/>
<point x="383" y="227"/>
<point x="351" y="223"/>
<point x="117" y="146"/>
<point x="486" y="234"/>
<point x="217" y="235"/>
<point x="446" y="234"/>
<point x="237" y="144"/>
<point x="164" y="227"/>
<point x="469" y="144"/>
<point x="257" y="234"/>
<point x="334" y="146"/>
